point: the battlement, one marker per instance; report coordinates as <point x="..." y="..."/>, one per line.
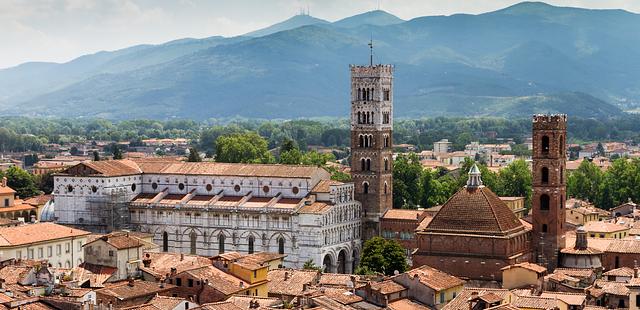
<point x="550" y="121"/>
<point x="371" y="71"/>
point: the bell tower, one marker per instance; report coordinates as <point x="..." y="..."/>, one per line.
<point x="371" y="141"/>
<point x="549" y="187"/>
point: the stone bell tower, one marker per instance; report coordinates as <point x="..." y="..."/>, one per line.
<point x="549" y="187"/>
<point x="371" y="141"/>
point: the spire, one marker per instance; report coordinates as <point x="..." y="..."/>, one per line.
<point x="371" y="51"/>
<point x="475" y="179"/>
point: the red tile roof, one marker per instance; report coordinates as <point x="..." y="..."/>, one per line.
<point x="402" y="214"/>
<point x="434" y="278"/>
<point x="475" y="210"/>
<point x="289" y="281"/>
<point x="38" y="232"/>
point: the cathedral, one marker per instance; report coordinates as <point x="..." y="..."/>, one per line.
<point x="474" y="235"/>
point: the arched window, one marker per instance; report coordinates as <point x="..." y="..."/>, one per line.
<point x="280" y="245"/>
<point x="363" y="164"/>
<point x="220" y="244"/>
<point x="368" y="164"/>
<point x="545" y="144"/>
<point x="544" y="202"/>
<point x="165" y="242"/>
<point x="386" y="141"/>
<point x="386" y="164"/>
<point x="561" y="148"/>
<point x="251" y="242"/>
<point x="358" y="95"/>
<point x="365" y="186"/>
<point x="386" y="188"/>
<point x="193" y="237"/>
<point x="545" y="175"/>
<point x="544" y="228"/>
<point x="361" y="141"/>
<point x="372" y="118"/>
<point x="359" y="120"/>
<point x="561" y="175"/>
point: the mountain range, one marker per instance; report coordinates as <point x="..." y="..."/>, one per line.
<point x="527" y="58"/>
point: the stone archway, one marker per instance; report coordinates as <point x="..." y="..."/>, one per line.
<point x="355" y="260"/>
<point x="342" y="261"/>
<point x="327" y="263"/>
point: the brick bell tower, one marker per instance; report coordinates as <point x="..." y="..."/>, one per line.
<point x="549" y="187"/>
<point x="371" y="141"/>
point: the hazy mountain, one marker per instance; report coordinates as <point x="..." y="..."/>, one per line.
<point x="291" y="23"/>
<point x="377" y="17"/>
<point x="524" y="59"/>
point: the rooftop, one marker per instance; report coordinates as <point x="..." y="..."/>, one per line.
<point x="131" y="289"/>
<point x="162" y="263"/>
<point x="387" y="287"/>
<point x="403" y="214"/>
<point x="434" y="278"/>
<point x="220" y="280"/>
<point x="289" y="281"/>
<point x="529" y="266"/>
<point x="38" y="232"/>
<point x="604" y="227"/>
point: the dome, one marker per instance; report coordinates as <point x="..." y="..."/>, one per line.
<point x="475" y="209"/>
<point x="48" y="212"/>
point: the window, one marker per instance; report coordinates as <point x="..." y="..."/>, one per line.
<point x="617" y="262"/>
<point x="637" y="300"/>
<point x="368" y="164"/>
<point x="236" y="188"/>
<point x="365" y="187"/>
<point x="19" y="254"/>
<point x="179" y="281"/>
<point x="255" y="273"/>
<point x="220" y="244"/>
<point x="251" y="242"/>
<point x="387" y="95"/>
<point x="441" y="297"/>
<point x="67" y="247"/>
<point x="265" y="189"/>
<point x="544" y="228"/>
<point x="192" y="238"/>
<point x="154" y="185"/>
<point x="6" y="202"/>
<point x="544" y="202"/>
<point x="165" y="242"/>
<point x="190" y="282"/>
<point x="70" y="188"/>
<point x="363" y="164"/>
<point x="209" y="187"/>
<point x="280" y="245"/>
<point x="386" y="164"/>
<point x="181" y="186"/>
<point x="545" y="145"/>
<point x="110" y="253"/>
<point x="94" y="189"/>
<point x="545" y="175"/>
<point x="59" y="249"/>
<point x="30" y="254"/>
<point x="49" y="251"/>
<point x="40" y="253"/>
<point x="133" y="187"/>
<point x="295" y="190"/>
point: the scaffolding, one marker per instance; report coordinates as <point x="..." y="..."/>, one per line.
<point x="109" y="212"/>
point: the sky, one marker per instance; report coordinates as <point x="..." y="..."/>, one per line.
<point x="61" y="30"/>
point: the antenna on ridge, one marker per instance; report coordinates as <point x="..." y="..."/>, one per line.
<point x="371" y="51"/>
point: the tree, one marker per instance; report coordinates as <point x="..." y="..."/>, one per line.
<point x="291" y="157"/>
<point x="242" y="148"/>
<point x="194" y="155"/>
<point x="600" y="149"/>
<point x="515" y="180"/>
<point x="584" y="183"/>
<point x="96" y="156"/>
<point x="45" y="182"/>
<point x="382" y="256"/>
<point x="406" y="176"/>
<point x="117" y="152"/>
<point x="21" y="181"/>
<point x="288" y="145"/>
<point x="310" y="265"/>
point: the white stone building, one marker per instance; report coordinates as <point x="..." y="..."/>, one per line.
<point x="209" y="208"/>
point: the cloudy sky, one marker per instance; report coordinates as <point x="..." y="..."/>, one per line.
<point x="60" y="30"/>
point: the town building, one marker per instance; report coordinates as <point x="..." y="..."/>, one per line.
<point x="473" y="235"/>
<point x="606" y="230"/>
<point x="400" y="225"/>
<point x="523" y="275"/>
<point x="430" y="286"/>
<point x="209" y="208"/>
<point x="516" y="204"/>
<point x="581" y="255"/>
<point x="60" y="245"/>
<point x="372" y="141"/>
<point x="14" y="208"/>
<point x="442" y="147"/>
<point x="118" y="250"/>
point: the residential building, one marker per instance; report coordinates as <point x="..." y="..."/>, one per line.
<point x="430" y="286"/>
<point x="523" y="275"/>
<point x="606" y="230"/>
<point x="442" y="147"/>
<point x="131" y="293"/>
<point x="400" y="225"/>
<point x="14" y="208"/>
<point x="61" y="246"/>
<point x="118" y="250"/>
<point x="516" y="204"/>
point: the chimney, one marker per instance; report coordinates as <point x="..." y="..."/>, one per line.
<point x="181" y="256"/>
<point x="147" y="260"/>
<point x="130" y="283"/>
<point x="241" y="284"/>
<point x="4" y="182"/>
<point x="286" y="275"/>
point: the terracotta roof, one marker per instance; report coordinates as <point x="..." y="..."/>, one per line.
<point x="161" y="263"/>
<point x="475" y="210"/>
<point x="597" y="243"/>
<point x="220" y="280"/>
<point x="434" y="278"/>
<point x="575" y="272"/>
<point x="231" y="255"/>
<point x="402" y="214"/>
<point x="38" y="232"/>
<point x="110" y="168"/>
<point x="608" y="287"/>
<point x="337" y="280"/>
<point x="223" y="305"/>
<point x="166" y="302"/>
<point x="119" y="240"/>
<point x="535" y="302"/>
<point x="97" y="275"/>
<point x="490" y="298"/>
<point x="18" y="205"/>
<point x="315" y="208"/>
<point x="620" y="272"/>
<point x="597" y="226"/>
<point x="623" y="246"/>
<point x="635" y="282"/>
<point x="461" y="301"/>
<point x="341" y="295"/>
<point x="529" y="266"/>
<point x="406" y="304"/>
<point x="224" y="169"/>
<point x="503" y="307"/>
<point x="6" y="190"/>
<point x="38" y="200"/>
<point x="264" y="302"/>
<point x="260" y="259"/>
<point x="123" y="290"/>
<point x="387" y="287"/>
<point x="293" y="284"/>
<point x="13" y="274"/>
<point x="324" y="186"/>
<point x="571" y="299"/>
